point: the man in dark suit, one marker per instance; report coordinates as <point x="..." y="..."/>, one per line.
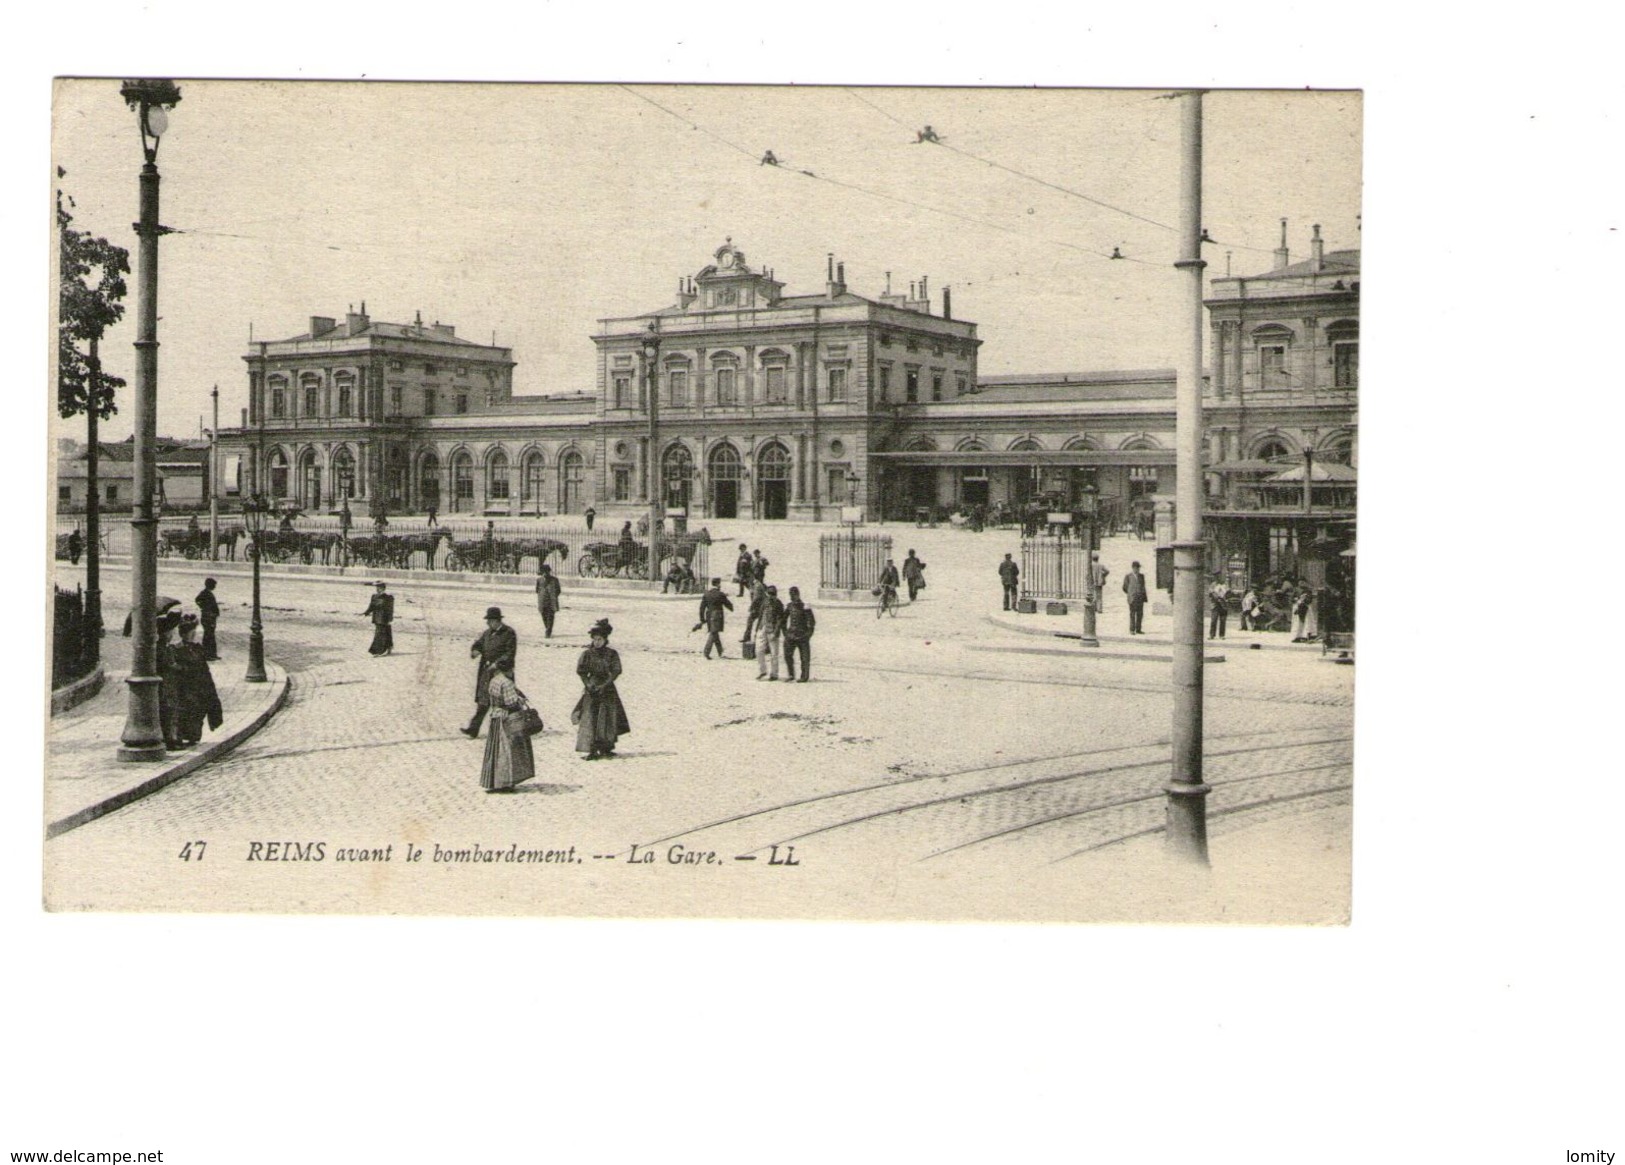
<point x="1009" y="572"/>
<point x="496" y="650"/>
<point x="547" y="596"/>
<point x="209" y="609"/>
<point x="1134" y="589"/>
<point x="712" y="605"/>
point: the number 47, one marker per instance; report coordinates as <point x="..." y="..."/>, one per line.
<point x="187" y="850"/>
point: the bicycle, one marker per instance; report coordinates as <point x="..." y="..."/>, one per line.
<point x="887" y="602"/>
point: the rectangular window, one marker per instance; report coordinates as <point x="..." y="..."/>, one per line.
<point x="462" y="402"/>
<point x="344" y="400"/>
<point x="775" y="384"/>
<point x="623" y="392"/>
<point x="838" y="494"/>
<point x="64" y="493"/>
<point x="959" y="384"/>
<point x="623" y="483"/>
<point x="428" y="370"/>
<point x="312" y="401"/>
<point x="112" y="493"/>
<point x="913" y="388"/>
<point x="395" y="400"/>
<point x="677" y="390"/>
<point x="1346" y="365"/>
<point x="727" y="391"/>
<point x="428" y="402"/>
<point x="936" y="386"/>
<point x="1272" y="366"/>
<point x="279" y="403"/>
<point x="837" y="384"/>
<point x="885" y="382"/>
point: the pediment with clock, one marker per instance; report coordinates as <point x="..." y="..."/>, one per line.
<point x="731" y="283"/>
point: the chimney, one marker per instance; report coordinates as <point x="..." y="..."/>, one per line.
<point x="245" y="418"/>
<point x="320" y="324"/>
<point x="925" y="297"/>
<point x="356" y="322"/>
<point x="1317" y="250"/>
<point x="947" y="303"/>
<point x="837" y="277"/>
<point x="1282" y="255"/>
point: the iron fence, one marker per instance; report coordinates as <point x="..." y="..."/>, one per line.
<point x="1054" y="568"/>
<point x="74" y="647"/>
<point x="852" y="561"/>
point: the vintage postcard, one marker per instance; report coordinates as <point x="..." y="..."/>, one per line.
<point x="704" y="501"/>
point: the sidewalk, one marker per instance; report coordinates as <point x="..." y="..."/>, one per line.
<point x="84" y="779"/>
<point x="1158" y="630"/>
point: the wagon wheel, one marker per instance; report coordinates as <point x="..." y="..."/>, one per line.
<point x="454" y="561"/>
<point x="588" y="567"/>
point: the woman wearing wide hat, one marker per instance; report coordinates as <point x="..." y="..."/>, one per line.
<point x="599" y="715"/>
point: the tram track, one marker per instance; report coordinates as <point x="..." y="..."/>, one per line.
<point x="1016" y="801"/>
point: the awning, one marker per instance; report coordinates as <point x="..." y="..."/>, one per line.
<point x="1329" y="471"/>
<point x="1026" y="458"/>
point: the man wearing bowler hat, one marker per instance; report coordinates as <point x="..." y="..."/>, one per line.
<point x="495" y="650"/>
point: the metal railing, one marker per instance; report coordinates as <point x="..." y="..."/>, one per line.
<point x="1054" y="568"/>
<point x="74" y="648"/>
<point x="852" y="561"/>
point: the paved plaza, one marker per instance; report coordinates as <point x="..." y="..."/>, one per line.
<point x="951" y="762"/>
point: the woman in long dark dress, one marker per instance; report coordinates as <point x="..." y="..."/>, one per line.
<point x="599" y="715"/>
<point x="195" y="698"/>
<point x="509" y="760"/>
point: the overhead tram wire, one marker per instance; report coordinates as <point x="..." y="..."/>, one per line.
<point x="756" y="157"/>
<point x="1044" y="181"/>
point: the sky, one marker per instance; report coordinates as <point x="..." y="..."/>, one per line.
<point x="530" y="212"/>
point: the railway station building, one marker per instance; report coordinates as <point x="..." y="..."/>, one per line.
<point x="778" y="406"/>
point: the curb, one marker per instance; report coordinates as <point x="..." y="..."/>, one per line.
<point x="218" y="747"/>
<point x="433" y="580"/>
<point x="1146" y="640"/>
<point x="76" y="693"/>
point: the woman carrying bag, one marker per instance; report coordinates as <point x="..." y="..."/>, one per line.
<point x="508" y="760"/>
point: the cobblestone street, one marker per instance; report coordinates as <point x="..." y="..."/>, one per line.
<point x="938" y="765"/>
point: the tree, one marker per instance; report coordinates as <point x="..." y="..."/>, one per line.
<point x="90" y="300"/>
<point x="92" y="290"/>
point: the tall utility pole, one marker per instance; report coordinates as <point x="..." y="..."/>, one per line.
<point x="143" y="736"/>
<point x="1186" y="833"/>
<point x="657" y="502"/>
<point x="93" y="501"/>
<point x="214" y="480"/>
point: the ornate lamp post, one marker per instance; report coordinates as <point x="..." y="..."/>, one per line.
<point x="143" y="737"/>
<point x="1091" y="598"/>
<point x="657" y="485"/>
<point x="255" y="511"/>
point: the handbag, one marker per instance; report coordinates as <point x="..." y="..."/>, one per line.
<point x="524" y="720"/>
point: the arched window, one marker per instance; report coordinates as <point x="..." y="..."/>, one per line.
<point x="572" y="478"/>
<point x="462" y="481"/>
<point x="310" y="481"/>
<point x="1273" y="449"/>
<point x="773" y="463"/>
<point x="429" y="480"/>
<point x="530" y="478"/>
<point x="677" y="471"/>
<point x="346" y="398"/>
<point x="1339" y="449"/>
<point x="344" y="474"/>
<point x="725" y="464"/>
<point x="278" y="466"/>
<point x="1025" y="445"/>
<point x="395" y="476"/>
<point x="496" y="477"/>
